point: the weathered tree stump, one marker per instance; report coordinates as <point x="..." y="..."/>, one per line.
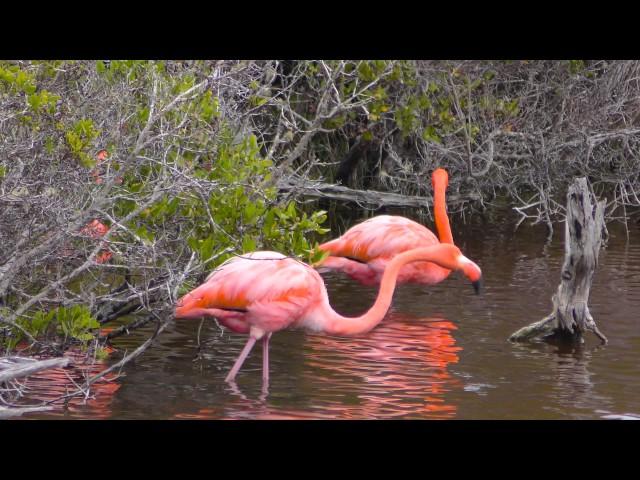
<point x="584" y="231"/>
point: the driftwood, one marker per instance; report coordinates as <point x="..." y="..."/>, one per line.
<point x="17" y="411"/>
<point x="584" y="230"/>
<point x="364" y="197"/>
<point x="17" y="367"/>
<point x="12" y="368"/>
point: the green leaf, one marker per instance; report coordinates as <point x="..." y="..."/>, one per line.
<point x="145" y="235"/>
<point x="429" y="135"/>
<point x="249" y="244"/>
<point x="250" y="213"/>
<point x="365" y="72"/>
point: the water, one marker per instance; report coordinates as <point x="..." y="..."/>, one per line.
<point x="441" y="352"/>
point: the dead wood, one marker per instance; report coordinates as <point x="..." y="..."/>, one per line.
<point x="584" y="231"/>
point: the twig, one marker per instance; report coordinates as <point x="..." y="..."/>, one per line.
<point x="137" y="352"/>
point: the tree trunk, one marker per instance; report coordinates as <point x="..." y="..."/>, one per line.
<point x="351" y="160"/>
<point x="584" y="229"/>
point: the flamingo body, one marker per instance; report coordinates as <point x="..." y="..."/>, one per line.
<point x="264" y="290"/>
<point x="364" y="251"/>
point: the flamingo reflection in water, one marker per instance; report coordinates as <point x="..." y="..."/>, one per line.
<point x="56" y="383"/>
<point x="398" y="370"/>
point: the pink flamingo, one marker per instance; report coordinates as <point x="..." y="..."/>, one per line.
<point x="264" y="292"/>
<point x="365" y="250"/>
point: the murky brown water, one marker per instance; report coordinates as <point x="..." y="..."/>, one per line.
<point x="441" y="353"/>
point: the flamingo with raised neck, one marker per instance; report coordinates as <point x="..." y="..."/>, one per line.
<point x="364" y="251"/>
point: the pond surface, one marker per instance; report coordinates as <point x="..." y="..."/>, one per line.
<point x="440" y="353"/>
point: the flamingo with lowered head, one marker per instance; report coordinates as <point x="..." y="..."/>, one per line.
<point x="264" y="292"/>
<point x="365" y="250"/>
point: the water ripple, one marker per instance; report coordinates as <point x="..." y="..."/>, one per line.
<point x="441" y="352"/>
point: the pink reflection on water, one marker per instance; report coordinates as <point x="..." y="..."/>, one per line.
<point x="49" y="385"/>
<point x="398" y="370"/>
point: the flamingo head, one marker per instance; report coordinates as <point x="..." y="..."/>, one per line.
<point x="471" y="271"/>
<point x="441" y="176"/>
<point x="450" y="257"/>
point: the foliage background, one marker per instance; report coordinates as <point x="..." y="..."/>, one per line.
<point x="208" y="159"/>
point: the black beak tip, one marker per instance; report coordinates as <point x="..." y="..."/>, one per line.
<point x="477" y="285"/>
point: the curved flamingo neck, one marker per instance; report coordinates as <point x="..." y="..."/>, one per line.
<point x="440" y="207"/>
<point x="335" y="324"/>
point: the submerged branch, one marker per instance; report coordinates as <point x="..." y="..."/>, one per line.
<point x="137" y="352"/>
<point x="125" y="329"/>
<point x="536" y="329"/>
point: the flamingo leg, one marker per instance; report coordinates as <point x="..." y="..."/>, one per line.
<point x="241" y="358"/>
<point x="265" y="358"/>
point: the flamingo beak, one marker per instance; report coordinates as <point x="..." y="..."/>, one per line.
<point x="472" y="272"/>
<point x="477" y="285"/>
